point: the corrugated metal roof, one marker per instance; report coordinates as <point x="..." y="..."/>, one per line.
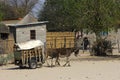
<point x="29" y="18"/>
<point x="27" y="24"/>
<point x="10" y="21"/>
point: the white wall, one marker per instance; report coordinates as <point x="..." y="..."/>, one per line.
<point x="23" y="34"/>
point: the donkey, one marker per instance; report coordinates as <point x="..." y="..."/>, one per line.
<point x="60" y="52"/>
<point x="66" y="52"/>
<point x="51" y="54"/>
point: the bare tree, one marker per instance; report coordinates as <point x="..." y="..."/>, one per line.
<point x="22" y="7"/>
<point x="5" y="11"/>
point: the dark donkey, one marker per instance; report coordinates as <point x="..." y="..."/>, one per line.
<point x="66" y="52"/>
<point x="60" y="52"/>
<point x="63" y="51"/>
<point x="51" y="54"/>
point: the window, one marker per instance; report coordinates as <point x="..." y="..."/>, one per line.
<point x="32" y="34"/>
<point x="4" y="36"/>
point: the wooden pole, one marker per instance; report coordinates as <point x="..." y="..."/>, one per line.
<point x="55" y="42"/>
<point x="118" y="46"/>
<point x="64" y="42"/>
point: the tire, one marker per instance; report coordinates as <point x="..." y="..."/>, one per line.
<point x="32" y="64"/>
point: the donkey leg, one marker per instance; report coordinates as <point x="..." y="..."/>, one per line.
<point x="67" y="62"/>
<point x="46" y="60"/>
<point x="47" y="63"/>
<point x="57" y="62"/>
<point x="51" y="62"/>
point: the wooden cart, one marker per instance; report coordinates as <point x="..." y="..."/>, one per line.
<point x="31" y="58"/>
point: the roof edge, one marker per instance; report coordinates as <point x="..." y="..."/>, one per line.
<point x="34" y="23"/>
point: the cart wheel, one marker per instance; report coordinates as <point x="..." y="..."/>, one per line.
<point x="32" y="64"/>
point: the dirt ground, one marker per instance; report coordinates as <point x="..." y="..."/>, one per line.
<point x="83" y="67"/>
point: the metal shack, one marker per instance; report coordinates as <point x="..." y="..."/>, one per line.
<point x="29" y="31"/>
<point x="6" y="40"/>
<point x="4" y="32"/>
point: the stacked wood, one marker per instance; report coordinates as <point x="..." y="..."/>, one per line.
<point x="60" y="39"/>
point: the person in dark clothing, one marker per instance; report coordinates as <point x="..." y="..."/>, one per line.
<point x="85" y="43"/>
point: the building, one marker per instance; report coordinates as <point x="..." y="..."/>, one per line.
<point x="29" y="31"/>
<point x="4" y="31"/>
<point x="6" y="40"/>
<point x="7" y="22"/>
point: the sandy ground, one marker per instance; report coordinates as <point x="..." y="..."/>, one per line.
<point x="83" y="67"/>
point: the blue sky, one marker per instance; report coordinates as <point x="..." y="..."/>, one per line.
<point x="38" y="7"/>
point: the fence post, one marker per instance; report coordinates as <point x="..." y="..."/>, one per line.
<point x="118" y="46"/>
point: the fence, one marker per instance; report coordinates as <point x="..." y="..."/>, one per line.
<point x="6" y="46"/>
<point x="60" y="39"/>
<point x="53" y="40"/>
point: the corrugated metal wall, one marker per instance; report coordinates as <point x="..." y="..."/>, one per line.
<point x="6" y="46"/>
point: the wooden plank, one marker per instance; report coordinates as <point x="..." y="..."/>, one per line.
<point x="60" y="39"/>
<point x="7" y="46"/>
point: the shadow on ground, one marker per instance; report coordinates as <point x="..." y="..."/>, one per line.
<point x="97" y="58"/>
<point x="17" y="68"/>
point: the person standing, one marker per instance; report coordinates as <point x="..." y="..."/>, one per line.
<point x="85" y="43"/>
